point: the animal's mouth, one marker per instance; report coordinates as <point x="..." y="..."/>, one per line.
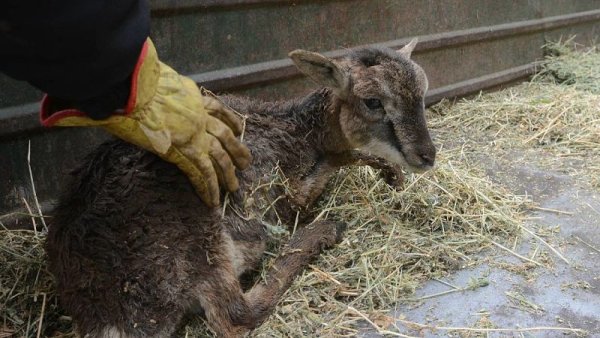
<point x="420" y="168"/>
<point x="409" y="163"/>
<point x="393" y="150"/>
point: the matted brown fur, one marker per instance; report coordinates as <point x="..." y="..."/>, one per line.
<point x="133" y="248"/>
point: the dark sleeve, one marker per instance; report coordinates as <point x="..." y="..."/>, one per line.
<point x="78" y="51"/>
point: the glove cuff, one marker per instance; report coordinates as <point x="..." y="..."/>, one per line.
<point x="49" y="118"/>
<point x="144" y="81"/>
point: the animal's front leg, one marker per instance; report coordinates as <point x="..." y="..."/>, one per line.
<point x="308" y="189"/>
<point x="391" y="173"/>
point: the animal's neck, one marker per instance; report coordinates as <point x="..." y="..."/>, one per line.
<point x="307" y="142"/>
<point x="315" y="118"/>
<point x="297" y="136"/>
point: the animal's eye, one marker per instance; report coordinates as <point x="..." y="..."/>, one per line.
<point x="373" y="104"/>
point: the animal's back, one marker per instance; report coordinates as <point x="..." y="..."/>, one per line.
<point x="127" y="234"/>
<point x="131" y="237"/>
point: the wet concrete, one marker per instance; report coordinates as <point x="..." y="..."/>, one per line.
<point x="519" y="294"/>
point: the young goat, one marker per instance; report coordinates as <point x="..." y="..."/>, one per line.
<point x="133" y="248"/>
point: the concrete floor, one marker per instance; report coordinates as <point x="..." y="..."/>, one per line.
<point x="519" y="295"/>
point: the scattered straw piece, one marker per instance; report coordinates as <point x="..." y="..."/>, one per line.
<point x="35" y="198"/>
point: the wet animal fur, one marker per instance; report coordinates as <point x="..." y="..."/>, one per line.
<point x="133" y="248"/>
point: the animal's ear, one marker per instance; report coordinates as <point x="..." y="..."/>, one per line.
<point x="321" y="69"/>
<point x="407" y="50"/>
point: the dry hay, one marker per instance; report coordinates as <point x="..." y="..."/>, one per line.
<point x="27" y="299"/>
<point x="396" y="240"/>
<point x="554" y="119"/>
<point x="577" y="69"/>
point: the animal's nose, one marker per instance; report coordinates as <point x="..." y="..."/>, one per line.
<point x="427" y="159"/>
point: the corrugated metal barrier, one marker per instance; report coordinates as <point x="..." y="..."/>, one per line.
<point x="241" y="46"/>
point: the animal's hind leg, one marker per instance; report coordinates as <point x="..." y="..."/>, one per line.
<point x="230" y="312"/>
<point x="225" y="307"/>
<point x="305" y="245"/>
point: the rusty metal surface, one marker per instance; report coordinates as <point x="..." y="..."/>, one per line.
<point x="241" y="46"/>
<point x="265" y="73"/>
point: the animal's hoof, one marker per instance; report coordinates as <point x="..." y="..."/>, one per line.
<point x="332" y="233"/>
<point x="394" y="178"/>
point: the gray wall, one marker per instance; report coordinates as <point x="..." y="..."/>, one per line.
<point x="241" y="46"/>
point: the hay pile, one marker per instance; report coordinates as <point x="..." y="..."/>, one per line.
<point x="579" y="70"/>
<point x="27" y="301"/>
<point x="554" y="120"/>
<point x="396" y="240"/>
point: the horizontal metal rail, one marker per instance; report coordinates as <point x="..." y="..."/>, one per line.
<point x="433" y="96"/>
<point x="160" y="6"/>
<point x="266" y="72"/>
<point x="478" y="84"/>
<point x="18" y="119"/>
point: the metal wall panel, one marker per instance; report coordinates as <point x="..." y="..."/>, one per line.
<point x="241" y="46"/>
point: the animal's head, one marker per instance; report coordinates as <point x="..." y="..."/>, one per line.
<point x="380" y="93"/>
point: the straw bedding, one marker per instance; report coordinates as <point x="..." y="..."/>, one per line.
<point x="397" y="239"/>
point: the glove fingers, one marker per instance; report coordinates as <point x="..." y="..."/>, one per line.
<point x="223" y="166"/>
<point x="219" y="110"/>
<point x="238" y="153"/>
<point x="201" y="172"/>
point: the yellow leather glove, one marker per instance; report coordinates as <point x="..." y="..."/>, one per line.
<point x="169" y="115"/>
